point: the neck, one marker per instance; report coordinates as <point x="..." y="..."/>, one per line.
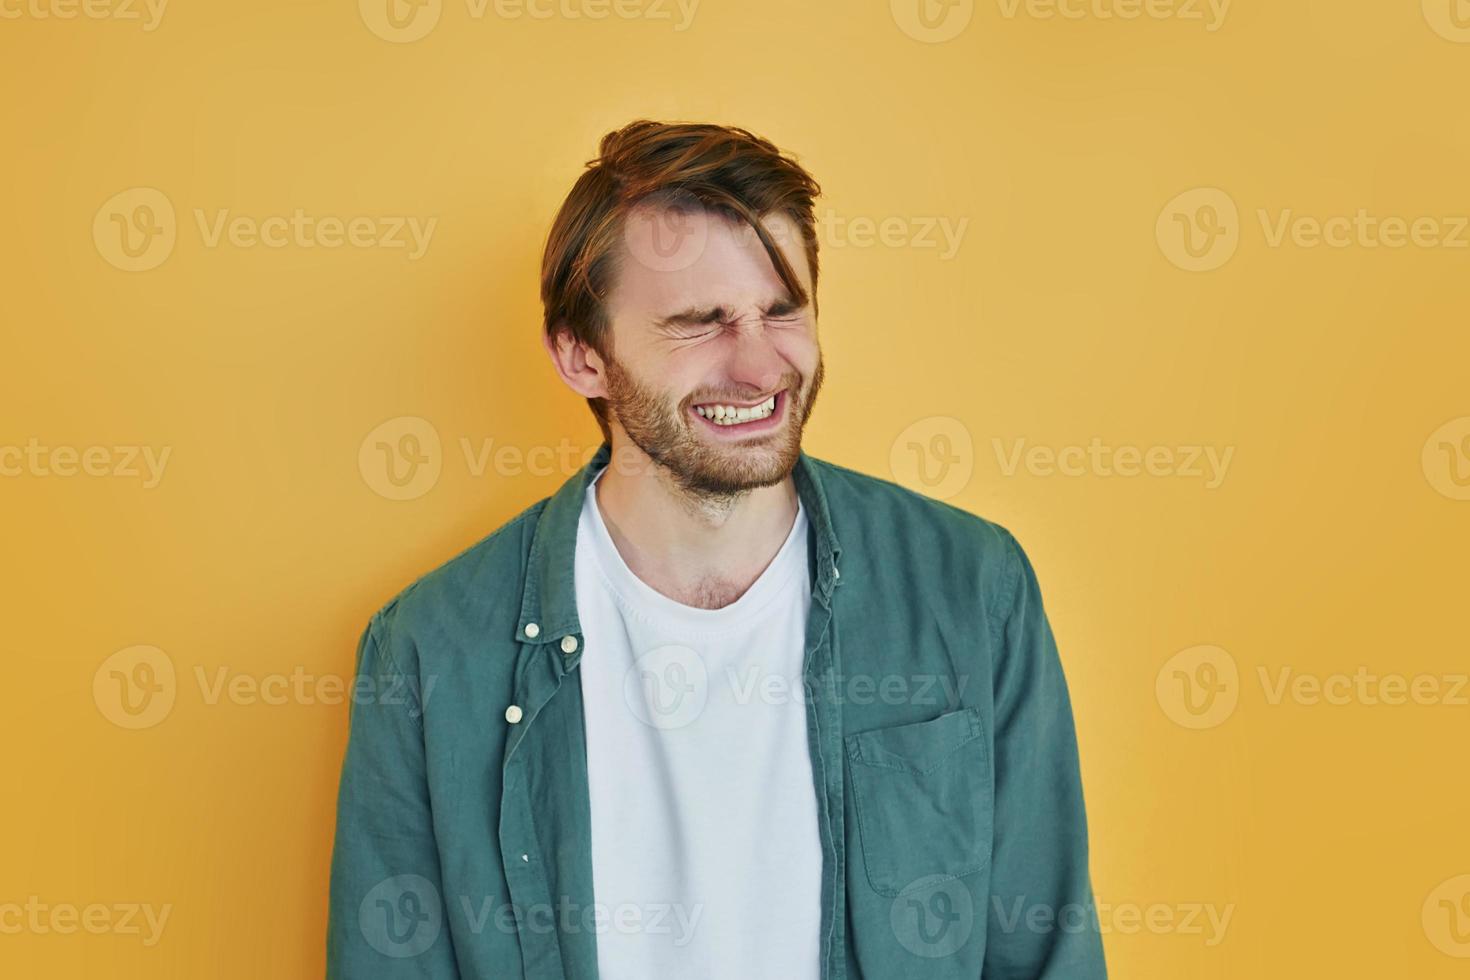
<point x="700" y="549"/>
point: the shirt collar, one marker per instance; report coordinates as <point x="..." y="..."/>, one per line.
<point x="549" y="600"/>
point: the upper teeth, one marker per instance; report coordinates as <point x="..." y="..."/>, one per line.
<point x="731" y="415"/>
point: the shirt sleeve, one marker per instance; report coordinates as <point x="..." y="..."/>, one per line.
<point x="1042" y="916"/>
<point x="386" y="913"/>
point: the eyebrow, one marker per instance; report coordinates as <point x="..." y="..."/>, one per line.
<point x="702" y="316"/>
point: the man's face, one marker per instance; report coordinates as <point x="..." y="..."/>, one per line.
<point x="712" y="372"/>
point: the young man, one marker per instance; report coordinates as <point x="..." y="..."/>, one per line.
<point x="715" y="709"/>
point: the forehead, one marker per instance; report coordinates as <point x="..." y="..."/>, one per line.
<point x="672" y="258"/>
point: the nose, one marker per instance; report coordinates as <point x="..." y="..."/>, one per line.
<point x="755" y="363"/>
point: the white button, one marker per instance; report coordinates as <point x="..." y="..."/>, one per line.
<point x="532" y="630"/>
<point x="569" y="644"/>
<point x="513" y="714"/>
<point x="526" y="858"/>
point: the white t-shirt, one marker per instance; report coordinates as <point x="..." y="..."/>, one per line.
<point x="706" y="863"/>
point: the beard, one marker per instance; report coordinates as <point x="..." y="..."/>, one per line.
<point x="664" y="430"/>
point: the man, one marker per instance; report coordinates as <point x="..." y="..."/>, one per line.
<point x="715" y="709"/>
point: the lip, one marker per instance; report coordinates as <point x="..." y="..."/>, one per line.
<point x="746" y="429"/>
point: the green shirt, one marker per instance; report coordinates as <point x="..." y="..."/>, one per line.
<point x="949" y="801"/>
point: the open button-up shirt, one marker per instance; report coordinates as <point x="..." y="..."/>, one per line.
<point x="944" y="755"/>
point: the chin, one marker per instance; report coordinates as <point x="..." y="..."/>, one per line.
<point x="736" y="469"/>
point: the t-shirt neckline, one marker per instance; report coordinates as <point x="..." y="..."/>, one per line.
<point x="642" y="599"/>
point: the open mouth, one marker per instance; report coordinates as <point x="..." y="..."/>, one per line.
<point x="745" y="419"/>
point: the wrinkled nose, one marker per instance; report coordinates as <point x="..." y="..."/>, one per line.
<point x="755" y="365"/>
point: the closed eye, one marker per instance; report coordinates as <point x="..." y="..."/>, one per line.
<point x="691" y="321"/>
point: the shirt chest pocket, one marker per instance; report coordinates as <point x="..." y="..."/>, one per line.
<point x="923" y="796"/>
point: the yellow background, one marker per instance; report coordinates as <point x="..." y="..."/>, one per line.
<point x="1325" y="829"/>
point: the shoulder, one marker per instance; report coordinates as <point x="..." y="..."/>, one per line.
<point x="470" y="586"/>
<point x="929" y="539"/>
<point x="859" y="499"/>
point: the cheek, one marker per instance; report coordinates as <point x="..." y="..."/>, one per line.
<point x="799" y="347"/>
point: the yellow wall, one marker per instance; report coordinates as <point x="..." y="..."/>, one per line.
<point x="1066" y="156"/>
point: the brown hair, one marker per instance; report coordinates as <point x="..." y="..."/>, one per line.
<point x="723" y="170"/>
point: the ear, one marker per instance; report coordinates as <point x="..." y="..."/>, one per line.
<point x="581" y="367"/>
